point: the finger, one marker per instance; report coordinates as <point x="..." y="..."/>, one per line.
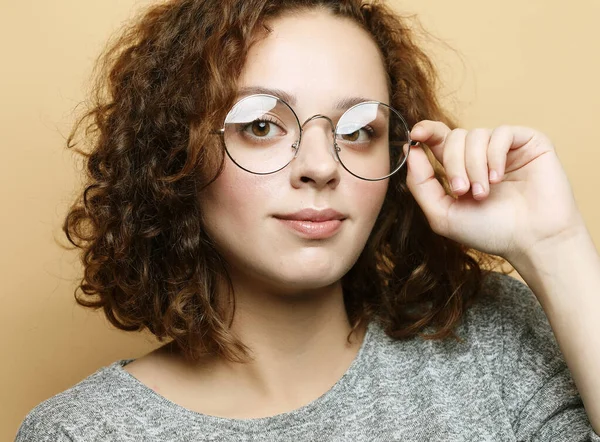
<point x="520" y="135"/>
<point x="453" y="160"/>
<point x="477" y="162"/>
<point x="501" y="141"/>
<point x="427" y="190"/>
<point x="433" y="134"/>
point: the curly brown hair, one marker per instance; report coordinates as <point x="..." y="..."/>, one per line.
<point x="162" y="87"/>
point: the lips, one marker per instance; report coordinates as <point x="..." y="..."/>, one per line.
<point x="313" y="215"/>
<point x="313" y="224"/>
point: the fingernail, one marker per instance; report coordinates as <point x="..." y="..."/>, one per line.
<point x="477" y="189"/>
<point x="493" y="175"/>
<point x="458" y="184"/>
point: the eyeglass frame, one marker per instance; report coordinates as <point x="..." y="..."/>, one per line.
<point x="297" y="144"/>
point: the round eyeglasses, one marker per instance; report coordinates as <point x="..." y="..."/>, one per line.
<point x="262" y="135"/>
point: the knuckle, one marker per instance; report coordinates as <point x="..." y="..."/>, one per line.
<point x="479" y="134"/>
<point x="503" y="129"/>
<point x="540" y="138"/>
<point x="439" y="125"/>
<point x="459" y="131"/>
<point x="453" y="141"/>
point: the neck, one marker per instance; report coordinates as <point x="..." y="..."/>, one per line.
<point x="298" y="344"/>
<point x="290" y="324"/>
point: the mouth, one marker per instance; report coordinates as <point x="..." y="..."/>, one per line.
<point x="313" y="224"/>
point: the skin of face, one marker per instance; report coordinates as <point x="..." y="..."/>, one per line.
<point x="320" y="59"/>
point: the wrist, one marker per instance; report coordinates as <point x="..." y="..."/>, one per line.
<point x="549" y="263"/>
<point x="552" y="250"/>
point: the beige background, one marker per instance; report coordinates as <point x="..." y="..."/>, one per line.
<point x="531" y="63"/>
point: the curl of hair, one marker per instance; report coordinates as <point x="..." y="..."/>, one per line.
<point x="162" y="87"/>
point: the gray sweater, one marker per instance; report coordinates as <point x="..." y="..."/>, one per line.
<point x="506" y="382"/>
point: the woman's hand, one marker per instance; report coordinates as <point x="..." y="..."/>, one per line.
<point x="527" y="203"/>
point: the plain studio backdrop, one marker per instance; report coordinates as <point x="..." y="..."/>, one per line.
<point x="533" y="63"/>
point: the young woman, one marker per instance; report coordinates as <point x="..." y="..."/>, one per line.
<point x="260" y="196"/>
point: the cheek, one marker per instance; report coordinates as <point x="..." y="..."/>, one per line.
<point x="369" y="197"/>
<point x="231" y="205"/>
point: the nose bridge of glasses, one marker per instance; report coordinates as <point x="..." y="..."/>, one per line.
<point x="319" y="116"/>
<point x="332" y="145"/>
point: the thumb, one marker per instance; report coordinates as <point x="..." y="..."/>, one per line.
<point x="427" y="190"/>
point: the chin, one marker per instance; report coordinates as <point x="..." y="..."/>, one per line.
<point x="303" y="277"/>
<point x="309" y="270"/>
<point x="312" y="282"/>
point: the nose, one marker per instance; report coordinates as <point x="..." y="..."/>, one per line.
<point x="315" y="162"/>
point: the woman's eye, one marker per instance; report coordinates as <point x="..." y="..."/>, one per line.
<point x="351" y="137"/>
<point x="262" y="128"/>
<point x="363" y="134"/>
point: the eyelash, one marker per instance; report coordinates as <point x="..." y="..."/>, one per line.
<point x="242" y="128"/>
<point x="369" y="130"/>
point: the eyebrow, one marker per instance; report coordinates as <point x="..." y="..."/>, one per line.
<point x="341" y="104"/>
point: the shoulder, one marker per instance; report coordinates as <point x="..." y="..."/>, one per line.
<point x="506" y="307"/>
<point x="508" y="325"/>
<point x="506" y="292"/>
<point x="74" y="413"/>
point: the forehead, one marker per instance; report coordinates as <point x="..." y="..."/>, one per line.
<point x="318" y="58"/>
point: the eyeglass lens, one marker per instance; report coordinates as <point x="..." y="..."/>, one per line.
<point x="262" y="134"/>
